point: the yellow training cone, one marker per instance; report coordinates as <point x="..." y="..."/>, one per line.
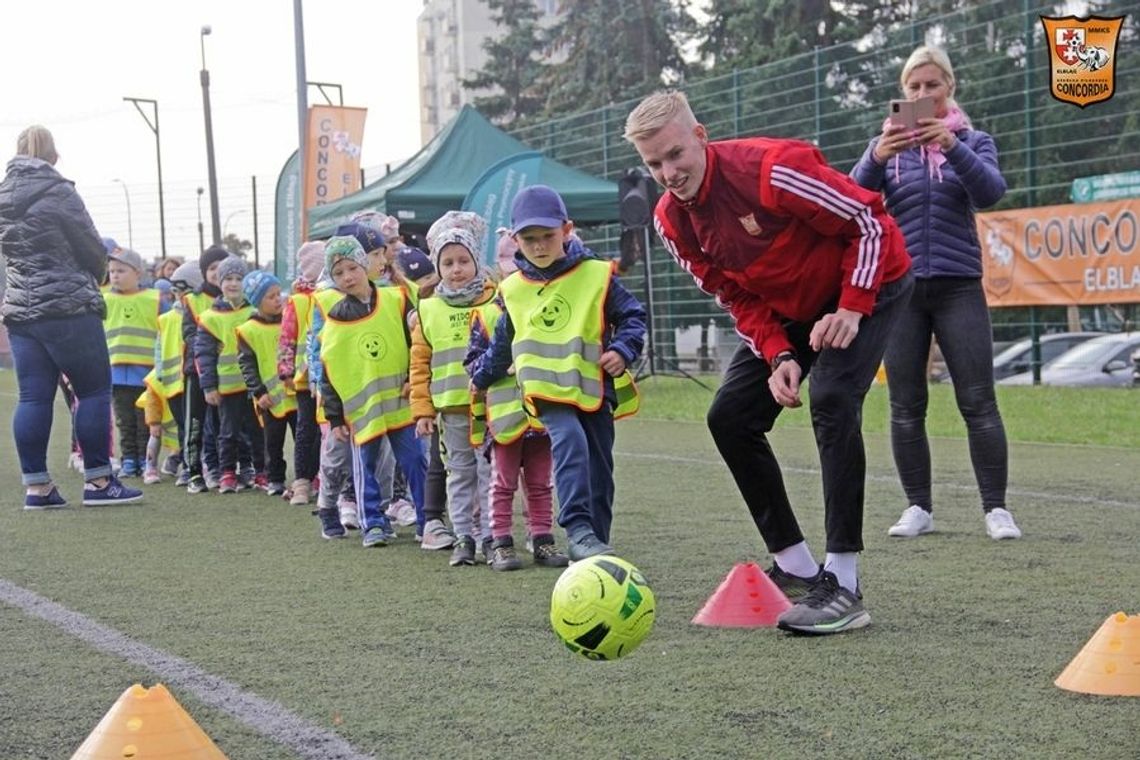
<point x="1109" y="664"/>
<point x="145" y="724"/>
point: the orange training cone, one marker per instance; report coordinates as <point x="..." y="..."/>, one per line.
<point x="1109" y="663"/>
<point x="145" y="724"/>
<point x="746" y="598"/>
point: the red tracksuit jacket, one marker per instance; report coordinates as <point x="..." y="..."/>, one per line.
<point x="776" y="234"/>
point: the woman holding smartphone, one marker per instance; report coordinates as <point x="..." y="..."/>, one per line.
<point x="933" y="176"/>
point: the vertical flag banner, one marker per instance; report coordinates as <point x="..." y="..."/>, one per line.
<point x="493" y="193"/>
<point x="332" y="155"/>
<point x="287" y="219"/>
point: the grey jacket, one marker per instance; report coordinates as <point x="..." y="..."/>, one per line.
<point x="53" y="256"/>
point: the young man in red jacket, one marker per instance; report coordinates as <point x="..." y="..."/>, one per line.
<point x="813" y="272"/>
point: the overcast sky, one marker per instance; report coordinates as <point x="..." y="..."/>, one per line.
<point x="68" y="64"/>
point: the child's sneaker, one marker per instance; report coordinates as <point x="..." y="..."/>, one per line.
<point x="504" y="558"/>
<point x="275" y="489"/>
<point x="302" y="490"/>
<point x="437" y="536"/>
<point x="183" y="479"/>
<point x="388" y="528"/>
<point x="151" y="476"/>
<point x="129" y="469"/>
<point x="405" y="513"/>
<point x="213" y="482"/>
<point x="330" y="524"/>
<point x="375" y="537"/>
<point x="261" y="482"/>
<point x="197" y="485"/>
<point x="547" y="554"/>
<point x="75" y="461"/>
<point x="51" y="500"/>
<point x="349" y="517"/>
<point x="112" y="493"/>
<point x="488" y="550"/>
<point x="463" y="553"/>
<point x="228" y="483"/>
<point x="171" y="464"/>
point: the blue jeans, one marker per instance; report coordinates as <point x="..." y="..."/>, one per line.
<point x="412" y="458"/>
<point x="42" y="351"/>
<point x="954" y="311"/>
<point x="582" y="446"/>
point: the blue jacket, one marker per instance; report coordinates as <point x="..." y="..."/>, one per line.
<point x="625" y="322"/>
<point x="937" y="218"/>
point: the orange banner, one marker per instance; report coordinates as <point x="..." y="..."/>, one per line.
<point x="332" y="155"/>
<point x="1078" y="253"/>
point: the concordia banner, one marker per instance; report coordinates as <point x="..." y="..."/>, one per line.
<point x="332" y="155"/>
<point x="1079" y="253"/>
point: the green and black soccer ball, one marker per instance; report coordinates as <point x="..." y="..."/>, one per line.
<point x="602" y="608"/>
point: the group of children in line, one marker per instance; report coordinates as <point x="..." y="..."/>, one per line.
<point x="394" y="370"/>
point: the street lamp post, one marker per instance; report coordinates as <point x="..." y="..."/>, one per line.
<point x="201" y="234"/>
<point x="226" y="226"/>
<point x="130" y="225"/>
<point x="158" y="154"/>
<point x="215" y="222"/>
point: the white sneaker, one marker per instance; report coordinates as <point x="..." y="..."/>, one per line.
<point x="348" y="517"/>
<point x="1000" y="524"/>
<point x="151" y="476"/>
<point x="406" y="514"/>
<point x="914" y="522"/>
<point x="302" y="491"/>
<point x="437" y="536"/>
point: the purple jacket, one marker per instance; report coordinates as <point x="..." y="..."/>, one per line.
<point x="937" y="218"/>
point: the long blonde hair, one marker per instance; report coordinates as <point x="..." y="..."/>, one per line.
<point x="37" y="142"/>
<point x="937" y="56"/>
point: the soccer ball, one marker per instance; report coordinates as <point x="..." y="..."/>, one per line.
<point x="602" y="608"/>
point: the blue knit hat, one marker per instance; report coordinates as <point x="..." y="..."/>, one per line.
<point x="370" y="238"/>
<point x="256" y="284"/>
<point x="414" y="263"/>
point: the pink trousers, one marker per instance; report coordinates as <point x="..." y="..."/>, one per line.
<point x="531" y="454"/>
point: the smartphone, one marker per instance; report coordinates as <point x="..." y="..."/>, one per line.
<point x="908" y="112"/>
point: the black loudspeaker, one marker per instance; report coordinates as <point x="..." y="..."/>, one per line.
<point x="637" y="195"/>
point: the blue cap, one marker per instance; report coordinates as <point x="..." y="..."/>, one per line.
<point x="537" y="206"/>
<point x="414" y="263"/>
<point x="370" y="238"/>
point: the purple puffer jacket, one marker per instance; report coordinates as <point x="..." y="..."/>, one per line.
<point x="937" y="218"/>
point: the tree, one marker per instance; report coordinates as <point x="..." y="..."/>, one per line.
<point x="231" y="242"/>
<point x="514" y="64"/>
<point x="615" y="51"/>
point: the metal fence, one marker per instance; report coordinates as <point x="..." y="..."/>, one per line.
<point x="836" y="98"/>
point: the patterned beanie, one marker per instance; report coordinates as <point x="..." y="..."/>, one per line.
<point x="388" y="226"/>
<point x="464" y="227"/>
<point x="344" y="247"/>
<point x="256" y="284"/>
<point x="230" y="266"/>
<point x="310" y="259"/>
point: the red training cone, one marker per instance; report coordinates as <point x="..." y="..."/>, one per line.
<point x="746" y="598"/>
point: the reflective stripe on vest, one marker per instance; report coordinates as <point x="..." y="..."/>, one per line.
<point x="303" y="308"/>
<point x="366" y="361"/>
<point x="132" y="326"/>
<point x="262" y="338"/>
<point x="168" y="372"/>
<point x="222" y="324"/>
<point x="507" y="418"/>
<point x="447" y="329"/>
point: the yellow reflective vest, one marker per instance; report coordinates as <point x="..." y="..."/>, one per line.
<point x="132" y="326"/>
<point x="168" y="381"/>
<point x="558" y="338"/>
<point x="262" y="338"/>
<point x="221" y="324"/>
<point x="506" y="417"/>
<point x="366" y="362"/>
<point x="198" y="304"/>
<point x="447" y="329"/>
<point x="303" y="308"/>
<point x="169" y="439"/>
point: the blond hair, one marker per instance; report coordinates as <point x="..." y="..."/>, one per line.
<point x="37" y="142"/>
<point x="657" y="110"/>
<point x="929" y="54"/>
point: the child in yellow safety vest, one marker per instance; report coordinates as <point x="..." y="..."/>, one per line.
<point x="200" y="437"/>
<point x="132" y="330"/>
<point x="257" y="340"/>
<point x="364" y="353"/>
<point x="571" y="330"/>
<point x="440" y="387"/>
<point x="216" y="357"/>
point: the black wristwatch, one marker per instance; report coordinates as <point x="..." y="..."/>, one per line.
<point x="783" y="356"/>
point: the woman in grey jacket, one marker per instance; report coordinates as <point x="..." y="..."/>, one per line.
<point x="54" y="311"/>
<point x="932" y="178"/>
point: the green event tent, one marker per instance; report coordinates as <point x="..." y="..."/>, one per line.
<point x="439" y="177"/>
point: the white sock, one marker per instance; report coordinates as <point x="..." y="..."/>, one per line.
<point x="797" y="560"/>
<point x="844" y="566"/>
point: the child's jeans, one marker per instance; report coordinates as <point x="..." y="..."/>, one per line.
<point x="582" y="446"/>
<point x="468" y="478"/>
<point x="237" y="421"/>
<point x="275" y="430"/>
<point x="411" y="456"/>
<point x="306" y="438"/>
<point x="531" y="454"/>
<point x="130" y="421"/>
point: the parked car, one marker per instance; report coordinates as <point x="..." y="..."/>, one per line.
<point x="1104" y="361"/>
<point x="1018" y="357"/>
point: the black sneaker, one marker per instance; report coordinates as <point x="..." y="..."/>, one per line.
<point x="330" y="524"/>
<point x="464" y="552"/>
<point x="795" y="587"/>
<point x="547" y="554"/>
<point x="827" y="608"/>
<point x="587" y="546"/>
<point x="488" y="550"/>
<point x="505" y="558"/>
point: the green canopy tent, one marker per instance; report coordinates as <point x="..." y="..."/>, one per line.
<point x="439" y="177"/>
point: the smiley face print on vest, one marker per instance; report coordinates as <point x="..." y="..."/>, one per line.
<point x="552" y="315"/>
<point x="372" y="347"/>
<point x="130" y="312"/>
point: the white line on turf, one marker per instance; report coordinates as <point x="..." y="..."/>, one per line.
<point x="1020" y="493"/>
<point x="268" y="718"/>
